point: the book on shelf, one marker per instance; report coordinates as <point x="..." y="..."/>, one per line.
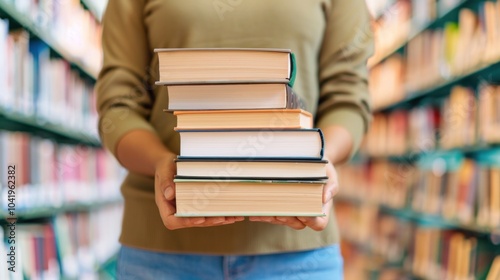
<point x="71" y="246"/>
<point x="43" y="88"/>
<point x="70" y="29"/>
<point x="48" y="174"/>
<point x="254" y="144"/>
<point x="232" y="96"/>
<point x="244" y="119"/>
<point x="460" y="190"/>
<point x="180" y="66"/>
<point x="436" y="55"/>
<point x="425" y="250"/>
<point x="248" y="197"/>
<point x="489" y="113"/>
<point x="291" y="169"/>
<point x="494" y="273"/>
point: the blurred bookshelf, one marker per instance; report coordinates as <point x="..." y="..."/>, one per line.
<point x="19" y="19"/>
<point x="426" y="182"/>
<point x="67" y="202"/>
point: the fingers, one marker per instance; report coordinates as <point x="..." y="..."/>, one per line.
<point x="331" y="187"/>
<point x="165" y="178"/>
<point x="316" y="223"/>
<point x="292" y="222"/>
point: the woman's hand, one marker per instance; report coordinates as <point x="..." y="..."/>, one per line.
<point x="165" y="200"/>
<point x="316" y="223"/>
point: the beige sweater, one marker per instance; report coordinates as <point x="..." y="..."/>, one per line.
<point x="331" y="40"/>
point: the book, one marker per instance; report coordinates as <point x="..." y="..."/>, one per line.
<point x="254" y="144"/>
<point x="494" y="273"/>
<point x="246" y="169"/>
<point x="248" y="198"/>
<point x="495" y="197"/>
<point x="232" y="97"/>
<point x="205" y="65"/>
<point x="244" y="119"/>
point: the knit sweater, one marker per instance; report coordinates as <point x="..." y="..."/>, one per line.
<point x="331" y="40"/>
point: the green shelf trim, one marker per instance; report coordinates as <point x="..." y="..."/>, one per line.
<point x="478" y="152"/>
<point x="445" y="16"/>
<point x="107" y="270"/>
<point x="484" y="73"/>
<point x="9" y="11"/>
<point x="48" y="212"/>
<point x="422" y="218"/>
<point x="34" y="125"/>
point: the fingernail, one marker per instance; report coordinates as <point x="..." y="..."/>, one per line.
<point x="169" y="192"/>
<point x="198" y="221"/>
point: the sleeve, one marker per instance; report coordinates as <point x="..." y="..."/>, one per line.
<point x="124" y="99"/>
<point x="343" y="74"/>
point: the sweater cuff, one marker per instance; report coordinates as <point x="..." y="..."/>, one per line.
<point x="349" y="119"/>
<point x="117" y="122"/>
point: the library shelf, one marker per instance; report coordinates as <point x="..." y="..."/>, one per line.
<point x="48" y="212"/>
<point x="18" y="19"/>
<point x="483" y="74"/>
<point x="445" y="16"/>
<point x="107" y="269"/>
<point x="415" y="156"/>
<point x="424" y="219"/>
<point x="36" y="126"/>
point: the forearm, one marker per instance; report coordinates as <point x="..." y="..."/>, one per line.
<point x="338" y="143"/>
<point x="140" y="150"/>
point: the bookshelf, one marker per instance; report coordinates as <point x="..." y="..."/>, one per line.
<point x="49" y="212"/>
<point x="65" y="183"/>
<point x="428" y="166"/>
<point x="18" y="19"/>
<point x="20" y="122"/>
<point x="425" y="219"/>
<point x="445" y="14"/>
<point x="485" y="73"/>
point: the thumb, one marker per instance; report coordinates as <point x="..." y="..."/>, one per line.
<point x="165" y="179"/>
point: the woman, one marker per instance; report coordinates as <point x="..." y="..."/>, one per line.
<point x="331" y="40"/>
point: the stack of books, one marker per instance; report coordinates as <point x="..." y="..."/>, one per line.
<point x="247" y="147"/>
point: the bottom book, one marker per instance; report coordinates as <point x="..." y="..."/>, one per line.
<point x="204" y="198"/>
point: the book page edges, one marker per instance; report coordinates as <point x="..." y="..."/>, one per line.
<point x="157" y="50"/>
<point x="222" y="214"/>
<point x="223" y="82"/>
<point x="249" y="111"/>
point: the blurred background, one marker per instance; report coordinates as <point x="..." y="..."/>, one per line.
<point x="421" y="200"/>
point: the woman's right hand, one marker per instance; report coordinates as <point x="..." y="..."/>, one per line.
<point x="165" y="199"/>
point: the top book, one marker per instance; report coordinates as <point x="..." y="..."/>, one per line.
<point x="206" y="66"/>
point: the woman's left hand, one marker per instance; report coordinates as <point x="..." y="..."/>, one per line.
<point x="316" y="223"/>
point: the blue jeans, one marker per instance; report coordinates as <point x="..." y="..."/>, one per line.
<point x="324" y="263"/>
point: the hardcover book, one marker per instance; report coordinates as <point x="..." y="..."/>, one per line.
<point x="252" y="144"/>
<point x="226" y="65"/>
<point x="248" y="198"/>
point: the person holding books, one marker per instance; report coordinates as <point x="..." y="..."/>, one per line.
<point x="331" y="40"/>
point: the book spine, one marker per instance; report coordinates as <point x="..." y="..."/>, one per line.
<point x="293" y="70"/>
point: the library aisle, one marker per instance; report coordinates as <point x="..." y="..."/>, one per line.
<point x="60" y="203"/>
<point x="421" y="200"/>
